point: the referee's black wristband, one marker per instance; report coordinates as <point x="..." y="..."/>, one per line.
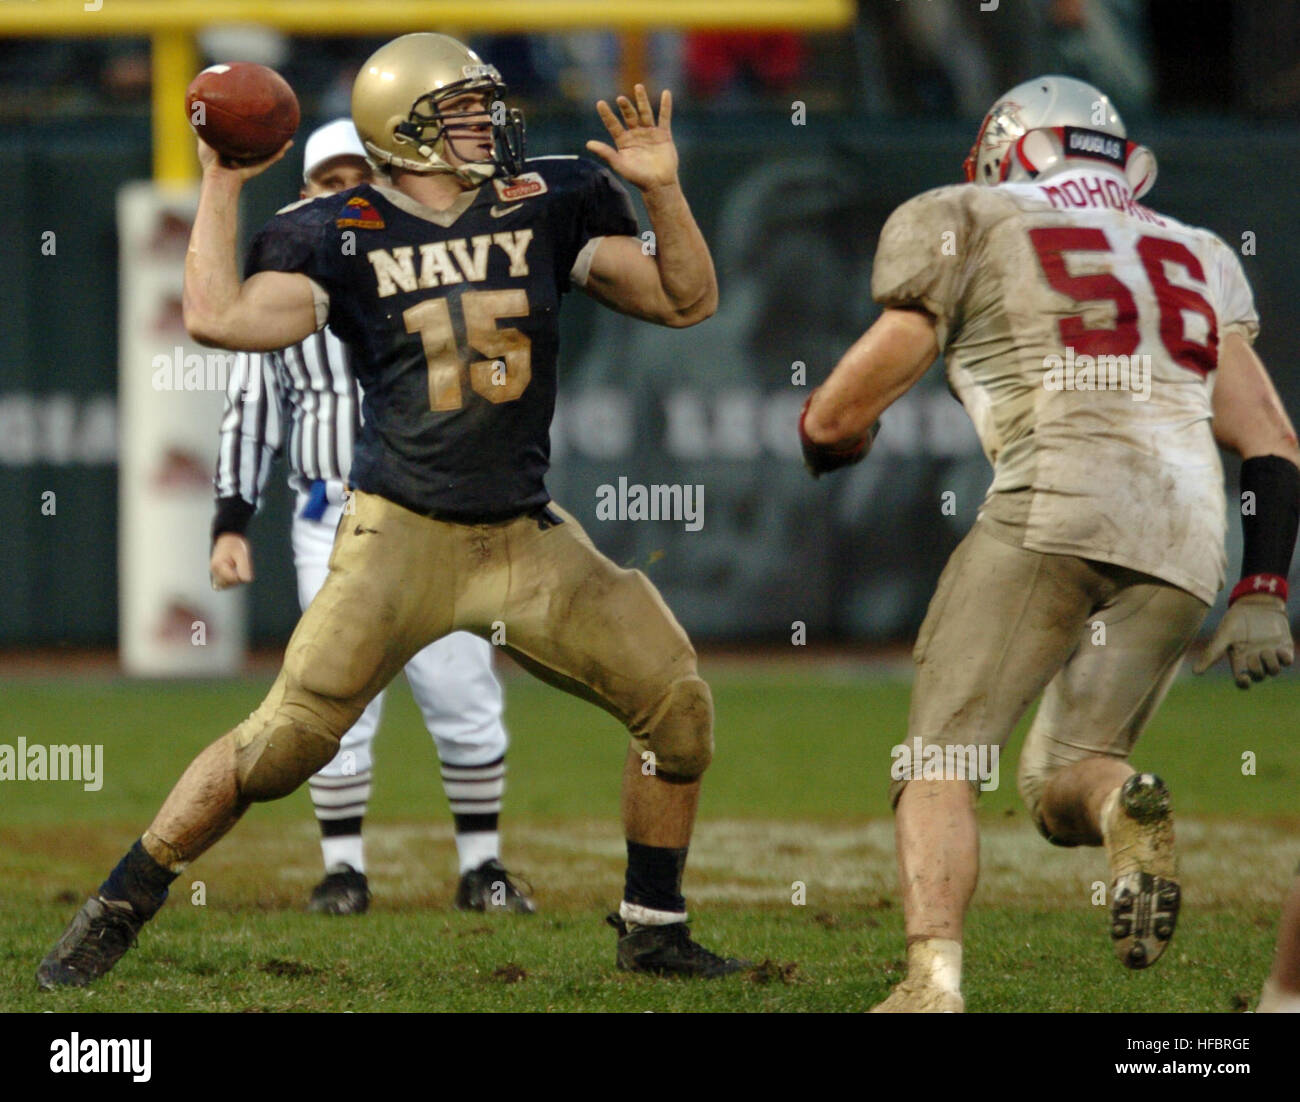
<point x="233" y="515"/>
<point x="1270" y="515"/>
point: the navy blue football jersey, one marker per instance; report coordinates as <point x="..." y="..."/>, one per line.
<point x="453" y="320"/>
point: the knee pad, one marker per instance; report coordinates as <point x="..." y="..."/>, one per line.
<point x="681" y="735"/>
<point x="274" y="758"/>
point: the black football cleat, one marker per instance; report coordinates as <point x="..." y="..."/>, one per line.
<point x="344" y="891"/>
<point x="668" y="951"/>
<point x="490" y="889"/>
<point x="97" y="938"/>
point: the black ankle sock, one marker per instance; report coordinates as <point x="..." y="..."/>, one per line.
<point x="340" y="828"/>
<point x="477" y="824"/>
<point x="654" y="877"/>
<point x="139" y="880"/>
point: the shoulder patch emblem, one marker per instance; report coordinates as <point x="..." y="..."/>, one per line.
<point x="521" y="187"/>
<point x="360" y="212"/>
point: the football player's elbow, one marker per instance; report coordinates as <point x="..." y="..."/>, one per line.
<point x="700" y="310"/>
<point x="203" y="328"/>
<point x="826" y="424"/>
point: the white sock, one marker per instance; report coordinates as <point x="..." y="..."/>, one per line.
<point x="936" y="961"/>
<point x="1276" y="1001"/>
<point x="343" y="849"/>
<point x="476" y="847"/>
<point x="648" y="916"/>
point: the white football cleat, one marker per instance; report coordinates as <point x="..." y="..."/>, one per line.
<point x="918" y="997"/>
<point x="1138" y="829"/>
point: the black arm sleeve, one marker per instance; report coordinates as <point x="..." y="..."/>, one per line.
<point x="1269" y="530"/>
<point x="233" y="515"/>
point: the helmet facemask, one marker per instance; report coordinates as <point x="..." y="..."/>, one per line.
<point x="432" y="130"/>
<point x="986" y="162"/>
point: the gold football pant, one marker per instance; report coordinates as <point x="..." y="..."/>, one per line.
<point x="398" y="580"/>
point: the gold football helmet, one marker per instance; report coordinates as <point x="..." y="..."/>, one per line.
<point x="395" y="105"/>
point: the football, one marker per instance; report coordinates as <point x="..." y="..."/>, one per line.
<point x="243" y="110"/>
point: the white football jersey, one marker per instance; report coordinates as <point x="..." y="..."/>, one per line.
<point x="1081" y="332"/>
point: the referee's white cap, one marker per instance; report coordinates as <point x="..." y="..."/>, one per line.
<point x="335" y="139"/>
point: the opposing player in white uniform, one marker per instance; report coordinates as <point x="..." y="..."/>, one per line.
<point x="1101" y="349"/>
<point x="304" y="402"/>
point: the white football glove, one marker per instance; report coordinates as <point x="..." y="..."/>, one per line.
<point x="1257" y="636"/>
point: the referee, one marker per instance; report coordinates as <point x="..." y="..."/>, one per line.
<point x="304" y="403"/>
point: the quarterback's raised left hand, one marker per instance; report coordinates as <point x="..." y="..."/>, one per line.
<point x="643" y="152"/>
<point x="1256" y="635"/>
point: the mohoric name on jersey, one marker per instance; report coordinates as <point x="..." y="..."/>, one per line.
<point x="1130" y="373"/>
<point x="445" y="262"/>
<point x="1094" y="192"/>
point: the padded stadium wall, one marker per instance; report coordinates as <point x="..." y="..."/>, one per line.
<point x="791" y="223"/>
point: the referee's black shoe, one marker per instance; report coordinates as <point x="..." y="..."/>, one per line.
<point x="344" y="891"/>
<point x="489" y="888"/>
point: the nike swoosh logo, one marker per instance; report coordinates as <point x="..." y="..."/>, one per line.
<point x="501" y="212"/>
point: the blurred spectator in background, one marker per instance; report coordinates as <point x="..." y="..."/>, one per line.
<point x="72" y="75"/>
<point x="224" y="42"/>
<point x="722" y="66"/>
<point x="950" y="57"/>
<point x="324" y="69"/>
<point x="125" y="70"/>
<point x="522" y="60"/>
<point x="1267" y="57"/>
<point x="589" y="65"/>
<point x="954" y="74"/>
<point x="1104" y="42"/>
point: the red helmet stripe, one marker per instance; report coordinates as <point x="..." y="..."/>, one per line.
<point x="972" y="158"/>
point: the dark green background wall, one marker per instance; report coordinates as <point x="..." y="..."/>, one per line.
<point x="792" y="214"/>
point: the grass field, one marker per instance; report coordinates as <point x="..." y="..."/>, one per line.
<point x="797" y="794"/>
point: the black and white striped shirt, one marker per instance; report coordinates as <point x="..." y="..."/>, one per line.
<point x="302" y="401"/>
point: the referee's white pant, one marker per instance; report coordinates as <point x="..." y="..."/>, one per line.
<point x="451" y="679"/>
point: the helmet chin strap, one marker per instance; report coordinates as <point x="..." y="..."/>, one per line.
<point x="472" y="172"/>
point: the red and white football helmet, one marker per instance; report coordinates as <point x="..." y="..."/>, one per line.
<point x="1047" y="124"/>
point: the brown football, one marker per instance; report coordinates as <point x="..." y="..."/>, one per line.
<point x="243" y="110"/>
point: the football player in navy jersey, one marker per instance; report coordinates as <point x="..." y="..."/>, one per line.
<point x="446" y="279"/>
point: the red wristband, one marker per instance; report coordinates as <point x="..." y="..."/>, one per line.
<point x="1274" y="585"/>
